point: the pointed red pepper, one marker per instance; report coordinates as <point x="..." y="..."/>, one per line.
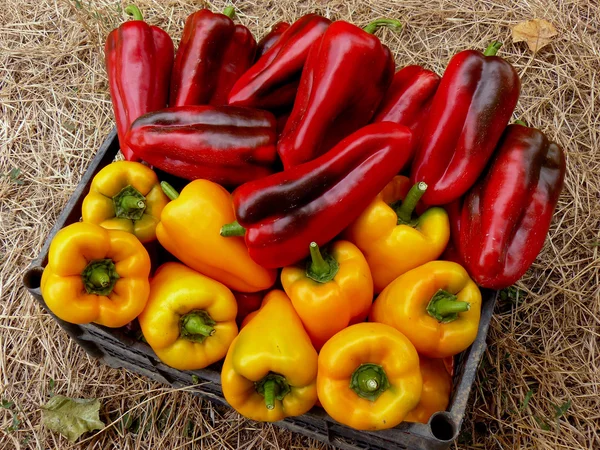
<point x="270" y="39"/>
<point x="500" y="226"/>
<point x="471" y="108"/>
<point x="345" y="77"/>
<point x="212" y="55"/>
<point x="138" y="59"/>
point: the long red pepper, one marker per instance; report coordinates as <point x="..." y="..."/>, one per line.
<point x="270" y="39"/>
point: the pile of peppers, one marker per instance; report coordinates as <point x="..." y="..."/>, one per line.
<point x="334" y="220"/>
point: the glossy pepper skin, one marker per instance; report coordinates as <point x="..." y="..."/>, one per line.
<point x="247" y="302"/>
<point x="225" y="144"/>
<point x="189" y="320"/>
<point x="393" y="238"/>
<point x="270" y="39"/>
<point x="471" y="107"/>
<point x="271" y="83"/>
<point x="138" y="59"/>
<point x="435" y="396"/>
<point x="270" y="369"/>
<point x="329" y="105"/>
<point x="96" y="275"/>
<point x="499" y="227"/>
<point x="212" y="55"/>
<point x="285" y="212"/>
<point x="437" y="306"/>
<point x="369" y="376"/>
<point x="189" y="229"/>
<point x="331" y="291"/>
<point x="125" y="195"/>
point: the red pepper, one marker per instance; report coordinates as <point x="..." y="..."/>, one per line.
<point x="247" y="303"/>
<point x="500" y="226"/>
<point x="212" y="55"/>
<point x="138" y="59"/>
<point x="315" y="201"/>
<point x="272" y="82"/>
<point x="225" y="144"/>
<point x="471" y="108"/>
<point x="270" y="39"/>
<point x="345" y="76"/>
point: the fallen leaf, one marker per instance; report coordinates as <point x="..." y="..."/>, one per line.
<point x="537" y="33"/>
<point x="72" y="417"/>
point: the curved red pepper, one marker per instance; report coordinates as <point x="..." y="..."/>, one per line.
<point x="500" y="226"/>
<point x="138" y="59"/>
<point x="225" y="144"/>
<point x="212" y="55"/>
<point x="272" y="82"/>
<point x="473" y="104"/>
<point x="270" y="39"/>
<point x="346" y="74"/>
<point x="315" y="201"/>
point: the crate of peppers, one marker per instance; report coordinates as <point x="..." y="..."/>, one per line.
<point x="327" y="224"/>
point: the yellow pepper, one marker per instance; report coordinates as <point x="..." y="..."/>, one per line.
<point x="331" y="291"/>
<point x="190" y="229"/>
<point x="437" y="306"/>
<point x="271" y="367"/>
<point x="435" y="396"/>
<point x="369" y="376"/>
<point x="125" y="195"/>
<point x="392" y="238"/>
<point x="96" y="275"/>
<point x="189" y="320"/>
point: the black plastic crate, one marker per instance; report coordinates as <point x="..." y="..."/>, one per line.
<point x="118" y="349"/>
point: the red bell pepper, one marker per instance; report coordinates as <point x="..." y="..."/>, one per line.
<point x="471" y="108"/>
<point x="315" y="201"/>
<point x="499" y="227"/>
<point x="270" y="39"/>
<point x="212" y="55"/>
<point x="247" y="303"/>
<point x="138" y="59"/>
<point x="346" y="74"/>
<point x="272" y="82"/>
<point x="225" y="144"/>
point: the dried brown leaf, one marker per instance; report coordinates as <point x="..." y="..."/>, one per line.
<point x="537" y="33"/>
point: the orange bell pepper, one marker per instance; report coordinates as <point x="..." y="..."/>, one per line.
<point x="435" y="396"/>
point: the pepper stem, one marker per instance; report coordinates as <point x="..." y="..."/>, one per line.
<point x="197" y="326"/>
<point x="369" y="381"/>
<point x="408" y="205"/>
<point x="229" y="12"/>
<point x="520" y="122"/>
<point x="272" y="387"/>
<point x="232" y="229"/>
<point x="321" y="268"/>
<point x="444" y="306"/>
<point x="129" y="203"/>
<point x="132" y="202"/>
<point x="134" y="11"/>
<point x="392" y="23"/>
<point x="99" y="276"/>
<point x="169" y="190"/>
<point x="492" y="49"/>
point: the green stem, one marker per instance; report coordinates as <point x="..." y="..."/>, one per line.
<point x="444" y="306"/>
<point x="270" y="393"/>
<point x="99" y="276"/>
<point x="134" y="11"/>
<point x="232" y="229"/>
<point x="321" y="269"/>
<point x="197" y="326"/>
<point x="520" y="122"/>
<point x="406" y="209"/>
<point x="369" y="381"/>
<point x="272" y="387"/>
<point x="229" y="12"/>
<point x="129" y="203"/>
<point x="318" y="265"/>
<point x="392" y="23"/>
<point x="492" y="49"/>
<point x="169" y="190"/>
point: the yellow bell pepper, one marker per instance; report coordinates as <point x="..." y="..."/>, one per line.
<point x="435" y="396"/>
<point x="392" y="238"/>
<point x="437" y="306"/>
<point x="369" y="376"/>
<point x="331" y="291"/>
<point x="189" y="320"/>
<point x="125" y="195"/>
<point x="271" y="367"/>
<point x="96" y="275"/>
<point x="190" y="229"/>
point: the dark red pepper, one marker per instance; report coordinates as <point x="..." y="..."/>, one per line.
<point x="471" y="108"/>
<point x="315" y="201"/>
<point x="272" y="82"/>
<point x="247" y="303"/>
<point x="212" y="55"/>
<point x="270" y="39"/>
<point x="346" y="74"/>
<point x="225" y="144"/>
<point x="499" y="227"/>
<point x="138" y="59"/>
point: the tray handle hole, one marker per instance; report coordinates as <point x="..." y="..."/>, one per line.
<point x="442" y="426"/>
<point x="33" y="278"/>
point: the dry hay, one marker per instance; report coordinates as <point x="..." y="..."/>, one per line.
<point x="56" y="112"/>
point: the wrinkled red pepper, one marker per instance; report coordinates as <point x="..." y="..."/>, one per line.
<point x="346" y="74"/>
<point x="270" y="39"/>
<point x="138" y="59"/>
<point x="315" y="201"/>
<point x="272" y="82"/>
<point x="499" y="227"/>
<point x="225" y="144"/>
<point x="212" y="55"/>
<point x="471" y="108"/>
